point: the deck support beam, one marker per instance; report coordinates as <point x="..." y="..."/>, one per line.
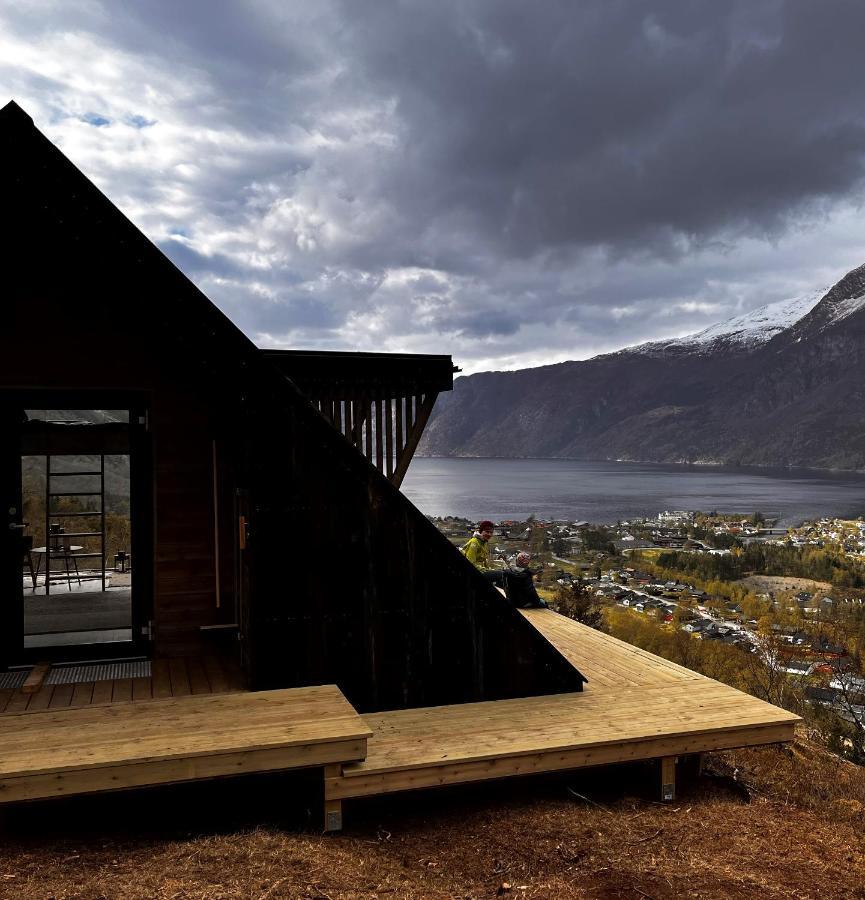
<point x="668" y="778"/>
<point x="332" y="806"/>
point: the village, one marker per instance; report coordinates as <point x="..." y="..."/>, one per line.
<point x="805" y="632"/>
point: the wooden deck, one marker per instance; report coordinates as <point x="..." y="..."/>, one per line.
<point x="635" y="706"/>
<point x="71" y="739"/>
<point x="110" y="747"/>
<point x="178" y="677"/>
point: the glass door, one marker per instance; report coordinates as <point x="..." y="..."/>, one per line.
<point x="77" y="581"/>
<point x="75" y="558"/>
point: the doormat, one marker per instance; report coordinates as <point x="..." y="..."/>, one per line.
<point x="12" y="680"/>
<point x="98" y="672"/>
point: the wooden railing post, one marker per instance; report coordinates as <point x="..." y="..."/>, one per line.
<point x="424" y="409"/>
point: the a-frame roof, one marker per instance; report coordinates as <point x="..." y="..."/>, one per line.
<point x="44" y="186"/>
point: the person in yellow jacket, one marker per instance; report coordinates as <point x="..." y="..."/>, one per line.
<point x="517" y="581"/>
<point x="475" y="550"/>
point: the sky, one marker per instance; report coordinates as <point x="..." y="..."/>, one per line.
<point x="512" y="183"/>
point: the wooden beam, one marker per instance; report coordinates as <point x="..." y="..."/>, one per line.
<point x="394" y="424"/>
<point x="35" y="678"/>
<point x="173" y="771"/>
<point x="349" y="424"/>
<point x="367" y="415"/>
<point x="216" y="567"/>
<point x="368" y="781"/>
<point x="388" y="436"/>
<point x="413" y="437"/>
<point x="332" y="805"/>
<point x="400" y="404"/>
<point x="668" y="778"/>
<point x="411" y="407"/>
<point x="379" y="437"/>
<point x="357" y="424"/>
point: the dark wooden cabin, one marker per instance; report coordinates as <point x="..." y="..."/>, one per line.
<point x="265" y="522"/>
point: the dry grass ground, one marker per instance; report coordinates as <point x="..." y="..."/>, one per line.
<point x="776" y="583"/>
<point x="773" y="822"/>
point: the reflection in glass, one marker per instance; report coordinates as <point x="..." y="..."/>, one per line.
<point x="77" y="572"/>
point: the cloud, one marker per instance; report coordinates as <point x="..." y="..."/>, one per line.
<point x="513" y="183"/>
<point x="95" y="119"/>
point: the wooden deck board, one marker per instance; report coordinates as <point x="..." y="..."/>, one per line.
<point x="198" y="682"/>
<point x="82" y="694"/>
<point x="41" y="699"/>
<point x="208" y="675"/>
<point x="18" y="702"/>
<point x="157" y="741"/>
<point x="604" y="660"/>
<point x="179" y="674"/>
<point x="142" y="689"/>
<point x="102" y="691"/>
<point x="216" y="676"/>
<point x="161" y="678"/>
<point x="60" y="698"/>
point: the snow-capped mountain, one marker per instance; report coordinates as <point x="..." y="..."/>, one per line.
<point x="783" y="385"/>
<point x="842" y="301"/>
<point x="743" y="332"/>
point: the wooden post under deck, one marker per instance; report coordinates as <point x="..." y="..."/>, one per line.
<point x="668" y="778"/>
<point x="332" y="807"/>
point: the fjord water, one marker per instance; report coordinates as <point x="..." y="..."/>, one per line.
<point x="606" y="492"/>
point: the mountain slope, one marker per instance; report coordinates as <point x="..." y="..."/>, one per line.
<point x="770" y="392"/>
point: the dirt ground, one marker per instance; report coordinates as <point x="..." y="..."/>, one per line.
<point x="764" y="584"/>
<point x="769" y="823"/>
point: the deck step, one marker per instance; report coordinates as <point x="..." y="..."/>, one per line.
<point x="636" y="706"/>
<point x="102" y="748"/>
<point x="478" y="741"/>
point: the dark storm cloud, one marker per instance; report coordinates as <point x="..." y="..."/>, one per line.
<point x="511" y="181"/>
<point x="628" y="125"/>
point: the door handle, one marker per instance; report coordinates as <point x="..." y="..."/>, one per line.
<point x="14" y="526"/>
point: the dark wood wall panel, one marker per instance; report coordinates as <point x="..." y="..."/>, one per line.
<point x="374" y="599"/>
<point x="184" y="565"/>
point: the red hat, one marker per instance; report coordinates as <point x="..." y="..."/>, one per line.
<point x="486" y="525"/>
